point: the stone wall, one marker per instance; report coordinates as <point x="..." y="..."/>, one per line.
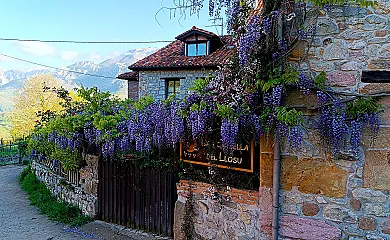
<point x="346" y="197"/>
<point x="322" y="197"/>
<point x="153" y="82"/>
<point x="226" y="213"/>
<point x="349" y="40"/>
<point x="84" y="195"/>
<point x="327" y="198"/>
<point x="133" y="90"/>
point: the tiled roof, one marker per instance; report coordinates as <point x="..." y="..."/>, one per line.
<point x="172" y="57"/>
<point x="197" y="30"/>
<point x="129" y="76"/>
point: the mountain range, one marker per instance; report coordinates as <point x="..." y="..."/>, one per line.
<point x="12" y="80"/>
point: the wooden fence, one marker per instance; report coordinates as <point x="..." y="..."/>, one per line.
<point x="72" y="176"/>
<point x="141" y="198"/>
<point x="9" y="153"/>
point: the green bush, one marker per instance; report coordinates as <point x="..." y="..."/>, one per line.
<point x="24" y="173"/>
<point x="40" y="196"/>
<point x="22" y="147"/>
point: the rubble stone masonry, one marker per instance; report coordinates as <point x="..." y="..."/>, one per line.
<point x="153" y="82"/>
<point x="84" y="195"/>
<point x="322" y="197"/>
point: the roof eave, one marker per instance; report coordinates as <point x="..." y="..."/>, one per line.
<point x="207" y="67"/>
<point x="129" y="79"/>
<point x="183" y="36"/>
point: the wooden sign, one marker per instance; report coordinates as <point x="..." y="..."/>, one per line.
<point x="242" y="159"/>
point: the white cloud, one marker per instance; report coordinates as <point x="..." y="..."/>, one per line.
<point x="39" y="49"/>
<point x="94" y="56"/>
<point x="36" y="68"/>
<point x="69" y="55"/>
<point x="115" y="54"/>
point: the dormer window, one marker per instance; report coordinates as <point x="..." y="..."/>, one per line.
<point x="199" y="42"/>
<point x="196" y="49"/>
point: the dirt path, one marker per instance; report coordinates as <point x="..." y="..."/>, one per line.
<point x="19" y="220"/>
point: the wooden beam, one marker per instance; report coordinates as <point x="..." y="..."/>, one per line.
<point x="376" y="76"/>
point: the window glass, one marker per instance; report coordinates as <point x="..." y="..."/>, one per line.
<point x="202" y="49"/>
<point x="173" y="86"/>
<point x="191" y="50"/>
<point x="177" y="87"/>
<point x="196" y="49"/>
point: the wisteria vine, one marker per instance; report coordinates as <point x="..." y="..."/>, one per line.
<point x="241" y="102"/>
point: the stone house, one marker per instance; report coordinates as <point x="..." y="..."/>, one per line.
<point x="196" y="53"/>
<point x="322" y="197"/>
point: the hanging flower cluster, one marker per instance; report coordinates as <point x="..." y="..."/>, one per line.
<point x="239" y="113"/>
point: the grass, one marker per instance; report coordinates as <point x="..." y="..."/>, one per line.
<point x="40" y="196"/>
<point x="7" y="151"/>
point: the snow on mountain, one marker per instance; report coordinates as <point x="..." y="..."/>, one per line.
<point x="14" y="79"/>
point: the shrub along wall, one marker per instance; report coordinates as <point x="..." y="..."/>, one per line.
<point x="322" y="197"/>
<point x="84" y="195"/>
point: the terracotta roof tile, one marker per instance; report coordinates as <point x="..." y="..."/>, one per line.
<point x="129" y="76"/>
<point x="172" y="57"/>
<point x="198" y="30"/>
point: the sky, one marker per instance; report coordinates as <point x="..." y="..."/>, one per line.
<point x="87" y="20"/>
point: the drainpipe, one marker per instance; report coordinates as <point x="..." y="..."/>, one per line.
<point x="276" y="172"/>
<point x="276" y="187"/>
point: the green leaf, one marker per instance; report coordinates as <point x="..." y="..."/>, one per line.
<point x="362" y="106"/>
<point x="289" y="117"/>
<point x="320" y="81"/>
<point x="225" y="111"/>
<point x="200" y="85"/>
<point x="143" y="102"/>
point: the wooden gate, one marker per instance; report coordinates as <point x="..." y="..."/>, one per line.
<point x="140" y="198"/>
<point x="9" y="153"/>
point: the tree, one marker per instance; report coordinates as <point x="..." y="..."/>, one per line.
<point x="33" y="99"/>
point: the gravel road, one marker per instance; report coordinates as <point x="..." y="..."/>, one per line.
<point x="19" y="220"/>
